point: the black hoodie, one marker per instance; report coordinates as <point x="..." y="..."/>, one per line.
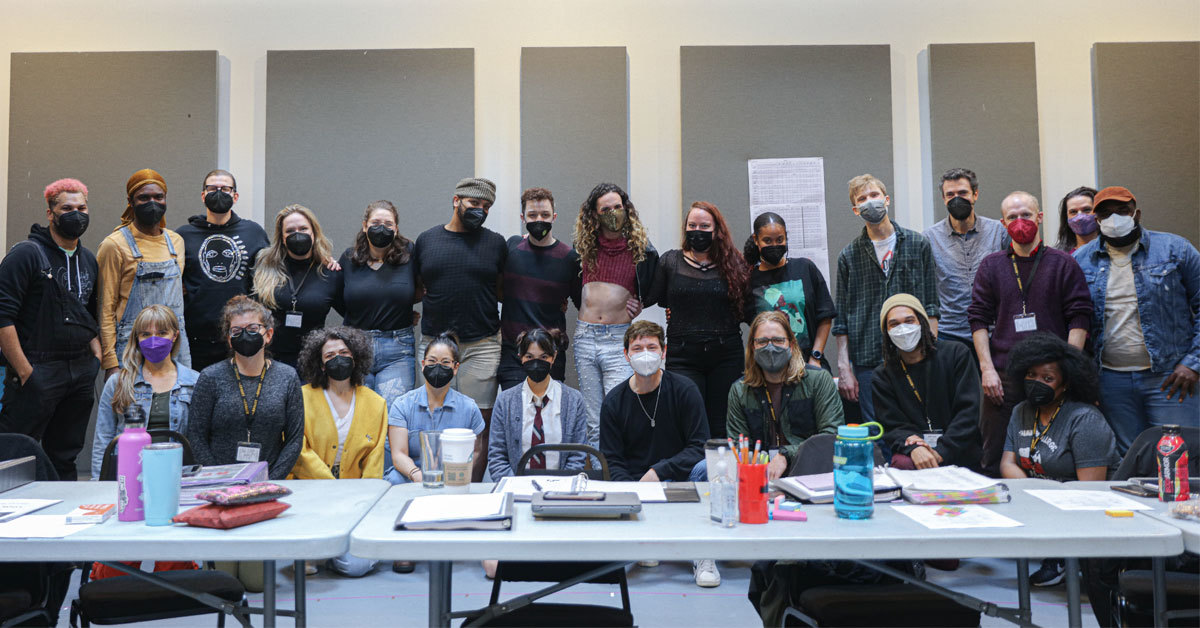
<point x="53" y="322"/>
<point x="220" y="266"/>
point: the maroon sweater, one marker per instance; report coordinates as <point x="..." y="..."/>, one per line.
<point x="1058" y="296"/>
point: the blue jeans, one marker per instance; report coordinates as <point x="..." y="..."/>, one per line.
<point x="1132" y="403"/>
<point x="600" y="361"/>
<point x="865" y="375"/>
<point x="393" y="373"/>
<point x="699" y="472"/>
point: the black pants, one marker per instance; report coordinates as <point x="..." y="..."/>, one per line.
<point x="713" y="365"/>
<point x="206" y="352"/>
<point x="53" y="407"/>
<point x="511" y="374"/>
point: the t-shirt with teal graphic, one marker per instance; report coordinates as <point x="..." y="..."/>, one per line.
<point x="797" y="289"/>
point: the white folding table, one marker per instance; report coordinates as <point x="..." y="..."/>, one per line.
<point x="316" y="526"/>
<point x="683" y="531"/>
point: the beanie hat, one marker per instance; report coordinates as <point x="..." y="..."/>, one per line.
<point x="479" y="188"/>
<point x="895" y="300"/>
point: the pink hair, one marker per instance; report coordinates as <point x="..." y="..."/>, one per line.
<point x="74" y="186"/>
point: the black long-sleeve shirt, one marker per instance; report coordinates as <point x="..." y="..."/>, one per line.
<point x="671" y="447"/>
<point x="949" y="384"/>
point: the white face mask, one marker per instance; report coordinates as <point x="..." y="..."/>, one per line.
<point x="905" y="336"/>
<point x="645" y="363"/>
<point x="1117" y="226"/>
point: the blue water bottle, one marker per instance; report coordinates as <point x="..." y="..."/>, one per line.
<point x="854" y="471"/>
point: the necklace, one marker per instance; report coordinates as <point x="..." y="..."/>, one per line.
<point x="648" y="415"/>
<point x="699" y="265"/>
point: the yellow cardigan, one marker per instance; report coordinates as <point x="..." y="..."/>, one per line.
<point x="362" y="455"/>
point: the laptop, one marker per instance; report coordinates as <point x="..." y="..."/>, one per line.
<point x="586" y="505"/>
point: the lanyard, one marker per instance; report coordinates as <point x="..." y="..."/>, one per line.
<point x="249" y="410"/>
<point x="920" y="400"/>
<point x="296" y="289"/>
<point x="1038" y="437"/>
<point x="776" y="429"/>
<point x="1024" y="287"/>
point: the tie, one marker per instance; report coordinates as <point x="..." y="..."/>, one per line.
<point x="539" y="436"/>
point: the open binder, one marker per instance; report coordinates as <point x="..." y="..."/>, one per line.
<point x="490" y="511"/>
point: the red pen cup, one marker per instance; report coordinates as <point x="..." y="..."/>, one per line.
<point x="752" y="493"/>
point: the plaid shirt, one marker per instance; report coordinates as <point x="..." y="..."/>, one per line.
<point x="862" y="288"/>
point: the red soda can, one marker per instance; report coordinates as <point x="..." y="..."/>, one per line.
<point x="1172" y="458"/>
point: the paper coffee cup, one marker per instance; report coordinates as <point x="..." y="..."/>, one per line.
<point x="458" y="444"/>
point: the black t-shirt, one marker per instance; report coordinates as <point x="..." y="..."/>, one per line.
<point x="537" y="283"/>
<point x="219" y="266"/>
<point x="377" y="298"/>
<point x="460" y="272"/>
<point x="318" y="289"/>
<point x="698" y="299"/>
<point x="797" y="289"/>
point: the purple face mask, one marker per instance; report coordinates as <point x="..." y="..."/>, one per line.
<point x="156" y="348"/>
<point x="1083" y="224"/>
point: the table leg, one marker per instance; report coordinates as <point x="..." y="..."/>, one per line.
<point x="301" y="604"/>
<point x="1160" y="591"/>
<point x="439" y="593"/>
<point x="1023" y="605"/>
<point x="269" y="593"/>
<point x="1072" y="567"/>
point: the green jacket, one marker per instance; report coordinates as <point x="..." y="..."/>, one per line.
<point x="812" y="406"/>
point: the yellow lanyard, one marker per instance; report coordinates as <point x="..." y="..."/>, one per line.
<point x="918" y="395"/>
<point x="1038" y="437"/>
<point x="250" y="412"/>
<point x="775" y="427"/>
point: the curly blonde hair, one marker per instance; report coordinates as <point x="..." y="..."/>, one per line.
<point x="269" y="269"/>
<point x="587" y="227"/>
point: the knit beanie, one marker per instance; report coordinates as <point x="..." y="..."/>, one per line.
<point x="479" y="188"/>
<point x="895" y="300"/>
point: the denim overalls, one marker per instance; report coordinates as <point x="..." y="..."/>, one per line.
<point x="158" y="283"/>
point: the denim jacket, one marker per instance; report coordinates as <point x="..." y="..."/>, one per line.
<point x="109" y="424"/>
<point x="1166" y="276"/>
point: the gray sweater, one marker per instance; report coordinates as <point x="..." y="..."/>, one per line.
<point x="217" y="419"/>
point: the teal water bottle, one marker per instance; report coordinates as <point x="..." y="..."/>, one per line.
<point x="854" y="471"/>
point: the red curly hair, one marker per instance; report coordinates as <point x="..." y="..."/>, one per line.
<point x="725" y="256"/>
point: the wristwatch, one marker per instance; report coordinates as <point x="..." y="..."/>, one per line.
<point x="817" y="355"/>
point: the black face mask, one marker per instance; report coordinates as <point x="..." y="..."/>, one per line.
<point x="536" y="370"/>
<point x="699" y="240"/>
<point x="773" y="254"/>
<point x="437" y="375"/>
<point x="298" y="243"/>
<point x="959" y="208"/>
<point x="538" y="229"/>
<point x="380" y="235"/>
<point x="339" y="367"/>
<point x="247" y="343"/>
<point x="149" y="213"/>
<point x="472" y="217"/>
<point x="218" y="201"/>
<point x="1125" y="240"/>
<point x="1038" y="393"/>
<point x="72" y="224"/>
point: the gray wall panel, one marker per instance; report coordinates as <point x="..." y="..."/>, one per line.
<point x="94" y="117"/>
<point x="1147" y="116"/>
<point x="983" y="115"/>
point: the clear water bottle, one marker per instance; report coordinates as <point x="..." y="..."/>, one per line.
<point x="723" y="508"/>
<point x="854" y="471"/>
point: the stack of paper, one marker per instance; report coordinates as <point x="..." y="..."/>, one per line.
<point x="818" y="487"/>
<point x="523" y="487"/>
<point x="949" y="485"/>
<point x="489" y="511"/>
<point x="13" y="508"/>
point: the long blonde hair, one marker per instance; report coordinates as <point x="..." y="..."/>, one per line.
<point x="269" y="269"/>
<point x="161" y="318"/>
<point x="795" y="368"/>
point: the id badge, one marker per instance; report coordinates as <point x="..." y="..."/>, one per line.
<point x="932" y="438"/>
<point x="293" y="319"/>
<point x="771" y="453"/>
<point x="248" y="452"/>
<point x="1025" y="322"/>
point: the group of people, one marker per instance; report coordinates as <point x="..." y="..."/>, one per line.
<point x="972" y="344"/>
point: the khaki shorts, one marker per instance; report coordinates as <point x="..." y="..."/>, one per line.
<point x="478" y="363"/>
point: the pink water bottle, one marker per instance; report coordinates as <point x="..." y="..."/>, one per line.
<point x="129" y="465"/>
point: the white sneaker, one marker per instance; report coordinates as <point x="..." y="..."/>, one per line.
<point x="706" y="573"/>
<point x="647" y="563"/>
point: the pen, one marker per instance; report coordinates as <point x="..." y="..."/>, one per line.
<point x="537" y="486"/>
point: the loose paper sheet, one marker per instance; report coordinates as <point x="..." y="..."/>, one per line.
<point x="13" y="508"/>
<point x="1086" y="500"/>
<point x="794" y="188"/>
<point x="522" y="487"/>
<point x="39" y="527"/>
<point x="965" y="516"/>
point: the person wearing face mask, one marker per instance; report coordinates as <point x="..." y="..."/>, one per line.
<point x="461" y="264"/>
<point x="151" y="377"/>
<point x="1056" y="431"/>
<point x="960" y="241"/>
<point x="1076" y="223"/>
<point x="297" y="278"/>
<point x="48" y="332"/>
<point x="537" y="284"/>
<point x="1145" y="286"/>
<point x="792" y="285"/>
<point x="345" y="422"/>
<point x="703" y="286"/>
<point x="781" y="401"/>
<point x="926" y="392"/>
<point x="885" y="259"/>
<point x="141" y="263"/>
<point x="1024" y="289"/>
<point x="220" y="250"/>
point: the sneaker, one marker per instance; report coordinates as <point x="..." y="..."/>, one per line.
<point x="403" y="566"/>
<point x="648" y="564"/>
<point x="1049" y="574"/>
<point x="706" y="573"/>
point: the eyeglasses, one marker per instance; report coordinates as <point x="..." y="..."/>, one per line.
<point x="778" y="341"/>
<point x="446" y="363"/>
<point x="254" y="329"/>
<point x="224" y="188"/>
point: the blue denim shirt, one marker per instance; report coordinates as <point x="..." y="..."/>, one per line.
<point x="411" y="412"/>
<point x="1166" y="276"/>
<point x="957" y="256"/>
<point x="109" y="424"/>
